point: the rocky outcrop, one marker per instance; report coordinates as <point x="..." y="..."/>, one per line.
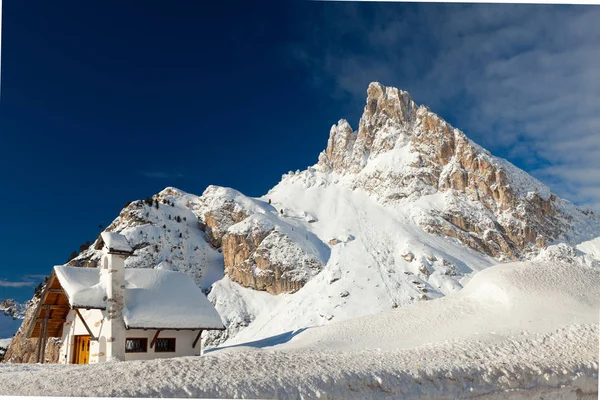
<point x="219" y="208"/>
<point x="260" y="250"/>
<point x="217" y="221"/>
<point x="402" y="152"/>
<point x="386" y="114"/>
<point x="25" y="350"/>
<point x="263" y="254"/>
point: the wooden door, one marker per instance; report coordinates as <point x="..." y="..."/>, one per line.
<point x="82" y="349"/>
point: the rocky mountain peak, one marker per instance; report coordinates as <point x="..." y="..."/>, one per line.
<point x="403" y="152"/>
<point x="388" y="111"/>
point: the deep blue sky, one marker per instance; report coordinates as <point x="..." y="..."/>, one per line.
<point x="110" y="102"/>
<point x="105" y="102"/>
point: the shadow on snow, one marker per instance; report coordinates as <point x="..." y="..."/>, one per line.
<point x="266" y="342"/>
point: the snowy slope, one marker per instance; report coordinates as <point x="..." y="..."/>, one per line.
<point x="367" y="272"/>
<point x="557" y="288"/>
<point x="519" y="331"/>
<point x="591" y="247"/>
<point x="410" y="208"/>
<point x="166" y="237"/>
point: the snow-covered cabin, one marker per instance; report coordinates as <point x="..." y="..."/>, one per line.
<point x="114" y="313"/>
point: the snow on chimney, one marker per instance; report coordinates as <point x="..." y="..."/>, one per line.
<point x="112" y="277"/>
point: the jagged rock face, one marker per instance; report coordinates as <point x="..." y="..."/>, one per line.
<point x="219" y="208"/>
<point x="218" y="221"/>
<point x="402" y="152"/>
<point x="387" y="114"/>
<point x="13" y="309"/>
<point x="340" y="146"/>
<point x="259" y="254"/>
<point x="387" y="111"/>
<point x="25" y="350"/>
<point x="252" y="238"/>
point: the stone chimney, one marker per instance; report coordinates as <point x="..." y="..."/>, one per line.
<point x="112" y="277"/>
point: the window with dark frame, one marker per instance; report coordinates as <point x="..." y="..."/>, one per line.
<point x="136" y="345"/>
<point x="164" y="345"/>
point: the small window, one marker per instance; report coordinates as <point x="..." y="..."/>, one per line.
<point x="165" y="345"/>
<point x="136" y="345"/>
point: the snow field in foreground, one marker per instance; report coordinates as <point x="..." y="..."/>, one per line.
<point x="521" y="330"/>
<point x="560" y="363"/>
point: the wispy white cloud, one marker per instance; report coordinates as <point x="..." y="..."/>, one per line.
<point x="27" y="280"/>
<point x="34" y="276"/>
<point x="13" y="284"/>
<point x="521" y="80"/>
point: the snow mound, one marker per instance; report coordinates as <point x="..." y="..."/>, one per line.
<point x="591" y="247"/>
<point x="537" y="296"/>
<point x="217" y="198"/>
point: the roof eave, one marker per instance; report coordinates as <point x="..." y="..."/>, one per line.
<point x="79" y="307"/>
<point x="120" y="252"/>
<point x="176" y="329"/>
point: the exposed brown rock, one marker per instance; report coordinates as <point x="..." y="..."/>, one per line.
<point x="25" y="350"/>
<point x="251" y="260"/>
<point x="216" y="223"/>
<point x="408" y="256"/>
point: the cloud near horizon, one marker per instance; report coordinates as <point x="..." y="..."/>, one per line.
<point x="521" y="80"/>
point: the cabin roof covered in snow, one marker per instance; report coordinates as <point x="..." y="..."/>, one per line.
<point x="116" y="242"/>
<point x="153" y="298"/>
<point x="82" y="286"/>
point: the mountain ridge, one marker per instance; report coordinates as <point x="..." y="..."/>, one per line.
<point x="404" y="209"/>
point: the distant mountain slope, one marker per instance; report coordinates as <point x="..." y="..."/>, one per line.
<point x="404" y="209"/>
<point x="13" y="309"/>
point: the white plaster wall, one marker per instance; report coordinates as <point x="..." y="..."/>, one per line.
<point x="183" y="344"/>
<point x="96" y="321"/>
<point x="113" y="276"/>
<point x="73" y="326"/>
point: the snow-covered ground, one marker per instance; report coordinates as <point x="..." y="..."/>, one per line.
<point x="5" y="342"/>
<point x="520" y="330"/>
